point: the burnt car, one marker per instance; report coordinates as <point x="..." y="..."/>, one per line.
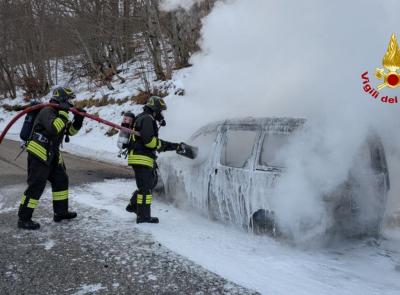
<point x="238" y="168"/>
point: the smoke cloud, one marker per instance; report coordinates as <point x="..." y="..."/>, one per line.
<point x="266" y="58"/>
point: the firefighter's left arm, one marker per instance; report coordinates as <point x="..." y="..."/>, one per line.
<point x="76" y="124"/>
<point x="165" y="146"/>
<point x="150" y="139"/>
<point x="148" y="134"/>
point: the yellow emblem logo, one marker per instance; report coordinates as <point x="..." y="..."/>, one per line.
<point x="389" y="75"/>
<point x="391" y="62"/>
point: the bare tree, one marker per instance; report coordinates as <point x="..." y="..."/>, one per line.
<point x="36" y="34"/>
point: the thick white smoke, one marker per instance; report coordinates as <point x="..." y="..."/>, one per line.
<point x="299" y="59"/>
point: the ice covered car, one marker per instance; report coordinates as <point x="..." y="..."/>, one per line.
<point x="238" y="155"/>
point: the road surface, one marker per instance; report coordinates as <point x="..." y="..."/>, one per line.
<point x="88" y="255"/>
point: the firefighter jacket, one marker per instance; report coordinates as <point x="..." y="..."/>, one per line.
<point x="48" y="132"/>
<point x="143" y="148"/>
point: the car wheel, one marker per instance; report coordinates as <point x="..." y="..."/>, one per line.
<point x="263" y="221"/>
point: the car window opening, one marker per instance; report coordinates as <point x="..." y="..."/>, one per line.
<point x="271" y="151"/>
<point x="238" y="148"/>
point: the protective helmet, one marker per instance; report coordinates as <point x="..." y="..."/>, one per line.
<point x="62" y="94"/>
<point x="156" y="104"/>
<point x="129" y="114"/>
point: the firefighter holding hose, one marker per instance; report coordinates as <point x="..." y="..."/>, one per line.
<point x="45" y="162"/>
<point x="142" y="157"/>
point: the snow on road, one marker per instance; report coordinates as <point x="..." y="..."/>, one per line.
<point x="258" y="262"/>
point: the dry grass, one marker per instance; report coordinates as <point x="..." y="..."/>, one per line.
<point x="104" y="101"/>
<point x="13" y="108"/>
<point x="143" y="96"/>
<point x="140" y="98"/>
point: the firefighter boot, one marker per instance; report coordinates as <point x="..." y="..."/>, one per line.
<point x="144" y="215"/>
<point x="132" y="206"/>
<point x="67" y="215"/>
<point x="28" y="224"/>
<point x="147" y="220"/>
<point x="25" y="219"/>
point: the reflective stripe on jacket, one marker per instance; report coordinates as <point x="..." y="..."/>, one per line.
<point x="143" y="148"/>
<point x="49" y="129"/>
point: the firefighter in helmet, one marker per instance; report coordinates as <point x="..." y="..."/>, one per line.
<point x="45" y="162"/>
<point x="142" y="157"/>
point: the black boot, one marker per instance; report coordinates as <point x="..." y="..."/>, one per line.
<point x="28" y="224"/>
<point x="147" y="220"/>
<point x="67" y="215"/>
<point x="131" y="208"/>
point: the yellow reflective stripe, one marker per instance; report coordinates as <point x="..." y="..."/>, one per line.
<point x="64" y="114"/>
<point x="37" y="153"/>
<point x="153" y="143"/>
<point x="23" y="199"/>
<point x="159" y="144"/>
<point x="142" y="157"/>
<point x="37" y="146"/>
<point x="32" y="203"/>
<point x="59" y="196"/>
<point x="139" y="199"/>
<point x="37" y="149"/>
<point x="60" y="159"/>
<point x="140" y="160"/>
<point x="142" y="163"/>
<point x="59" y="124"/>
<point x="60" y="193"/>
<point x="67" y="90"/>
<point x="72" y="130"/>
<point x="149" y="199"/>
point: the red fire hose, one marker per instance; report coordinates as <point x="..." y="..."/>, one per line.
<point x="73" y="110"/>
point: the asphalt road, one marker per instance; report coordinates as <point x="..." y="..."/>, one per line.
<point x="87" y="255"/>
<point x="80" y="170"/>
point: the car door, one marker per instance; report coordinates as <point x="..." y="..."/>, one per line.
<point x="269" y="166"/>
<point x="231" y="177"/>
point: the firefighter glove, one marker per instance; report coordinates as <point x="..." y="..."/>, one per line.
<point x="77" y="117"/>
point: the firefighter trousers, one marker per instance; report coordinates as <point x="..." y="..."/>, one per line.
<point x="38" y="174"/>
<point x="146" y="180"/>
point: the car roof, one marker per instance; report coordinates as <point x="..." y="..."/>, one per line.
<point x="277" y="124"/>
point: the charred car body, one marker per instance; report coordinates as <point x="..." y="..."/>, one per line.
<point x="238" y="168"/>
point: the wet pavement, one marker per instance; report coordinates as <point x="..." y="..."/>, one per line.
<point x="88" y="255"/>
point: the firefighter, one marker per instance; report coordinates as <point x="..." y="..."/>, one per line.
<point x="142" y="157"/>
<point x="45" y="161"/>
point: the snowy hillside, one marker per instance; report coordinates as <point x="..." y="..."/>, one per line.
<point x="92" y="140"/>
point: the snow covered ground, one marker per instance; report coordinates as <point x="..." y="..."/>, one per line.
<point x="259" y="262"/>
